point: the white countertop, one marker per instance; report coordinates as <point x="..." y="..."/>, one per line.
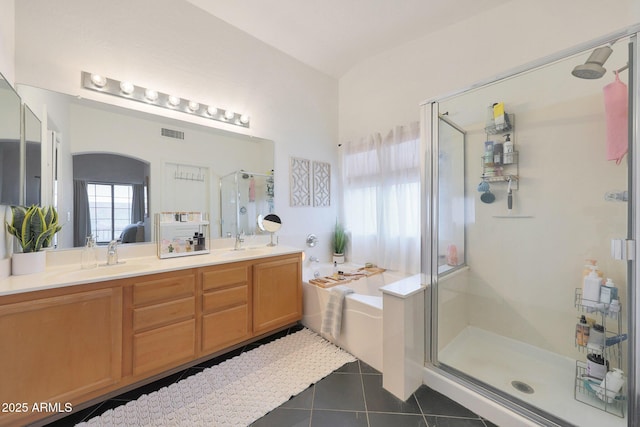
<point x="58" y="276"/>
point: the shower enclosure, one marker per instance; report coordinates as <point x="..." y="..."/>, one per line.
<point x="244" y="195"/>
<point x="516" y="204"/>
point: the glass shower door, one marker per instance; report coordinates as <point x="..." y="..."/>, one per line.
<point x="527" y="198"/>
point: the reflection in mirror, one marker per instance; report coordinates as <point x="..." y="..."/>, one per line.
<point x="33" y="157"/>
<point x="451" y="206"/>
<point x="270" y="223"/>
<point x="9" y="144"/>
<point x="90" y="127"/>
<point x="244" y="196"/>
<point x="110" y="198"/>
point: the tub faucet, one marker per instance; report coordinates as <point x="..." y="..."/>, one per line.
<point x="239" y="241"/>
<point x="314" y="259"/>
<point x="112" y="253"/>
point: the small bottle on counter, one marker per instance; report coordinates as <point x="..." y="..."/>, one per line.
<point x="89" y="257"/>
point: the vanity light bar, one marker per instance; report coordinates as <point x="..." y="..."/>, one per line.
<point x="130" y="91"/>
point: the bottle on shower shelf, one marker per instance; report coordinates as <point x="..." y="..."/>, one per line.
<point x="508" y="151"/>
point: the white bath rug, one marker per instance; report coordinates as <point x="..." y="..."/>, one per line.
<point x="238" y="391"/>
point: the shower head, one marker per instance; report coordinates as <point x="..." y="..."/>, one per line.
<point x="593" y="68"/>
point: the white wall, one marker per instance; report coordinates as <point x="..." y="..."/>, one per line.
<point x="7" y="40"/>
<point x="385" y="90"/>
<point x="175" y="47"/>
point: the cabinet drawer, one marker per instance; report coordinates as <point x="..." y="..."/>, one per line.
<point x="164" y="346"/>
<point x="164" y="313"/>
<point x="225" y="328"/>
<point x="222" y="278"/>
<point x="212" y="301"/>
<point x="162" y="289"/>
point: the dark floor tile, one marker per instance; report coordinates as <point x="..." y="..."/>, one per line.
<point x="366" y="369"/>
<point x="325" y="418"/>
<point x="271" y="337"/>
<point x="302" y="400"/>
<point x="295" y="328"/>
<point x="453" y="422"/>
<point x="109" y="404"/>
<point x="380" y="400"/>
<point x="190" y="371"/>
<point x="433" y="403"/>
<point x="349" y="368"/>
<point x="75" y="417"/>
<point x="219" y="359"/>
<point x="339" y="391"/>
<point x="282" y="417"/>
<point x="151" y="387"/>
<point x="396" y="420"/>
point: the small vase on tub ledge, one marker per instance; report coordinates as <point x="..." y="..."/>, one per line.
<point x="339" y="243"/>
<point x="33" y="227"/>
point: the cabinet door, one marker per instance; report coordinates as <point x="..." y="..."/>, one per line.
<point x="226" y="317"/>
<point x="277" y="293"/>
<point x="59" y="348"/>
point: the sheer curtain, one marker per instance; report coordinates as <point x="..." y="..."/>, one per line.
<point x="381" y="198"/>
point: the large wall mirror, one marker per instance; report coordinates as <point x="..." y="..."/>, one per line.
<point x="131" y="165"/>
<point x="10" y="110"/>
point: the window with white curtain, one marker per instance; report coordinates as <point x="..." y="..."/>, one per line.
<point x="381" y="191"/>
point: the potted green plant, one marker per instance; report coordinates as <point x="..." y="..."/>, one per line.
<point x="339" y="243"/>
<point x="33" y="227"/>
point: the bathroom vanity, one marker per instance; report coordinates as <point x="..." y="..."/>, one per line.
<point x="85" y="335"/>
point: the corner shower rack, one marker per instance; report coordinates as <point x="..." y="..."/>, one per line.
<point x="504" y="172"/>
<point x="586" y="391"/>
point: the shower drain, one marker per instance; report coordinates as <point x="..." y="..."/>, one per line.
<point x="523" y="387"/>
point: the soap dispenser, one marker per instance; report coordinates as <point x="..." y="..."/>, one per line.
<point x="89" y="257"/>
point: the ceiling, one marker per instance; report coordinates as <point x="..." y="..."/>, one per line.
<point x="334" y="35"/>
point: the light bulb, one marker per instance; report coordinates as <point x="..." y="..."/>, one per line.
<point x="151" y="95"/>
<point x="212" y="111"/>
<point x="229" y="114"/>
<point x="174" y="101"/>
<point x="244" y="119"/>
<point x="98" y="80"/>
<point x="194" y="106"/>
<point x="127" y="88"/>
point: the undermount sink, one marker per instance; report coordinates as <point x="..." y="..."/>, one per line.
<point x="233" y="253"/>
<point x="103" y="270"/>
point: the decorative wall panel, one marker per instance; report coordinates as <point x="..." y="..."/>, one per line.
<point x="321" y="184"/>
<point x="300" y="182"/>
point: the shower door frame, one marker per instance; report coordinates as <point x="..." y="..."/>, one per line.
<point x="429" y="247"/>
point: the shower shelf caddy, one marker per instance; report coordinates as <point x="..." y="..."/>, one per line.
<point x="503" y="172"/>
<point x="585" y="391"/>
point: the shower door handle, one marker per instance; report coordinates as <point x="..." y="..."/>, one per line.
<point x="623" y="249"/>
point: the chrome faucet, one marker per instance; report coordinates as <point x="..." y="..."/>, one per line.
<point x="112" y="253"/>
<point x="239" y="241"/>
<point x="314" y="259"/>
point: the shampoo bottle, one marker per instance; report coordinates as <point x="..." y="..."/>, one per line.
<point x="508" y="151"/>
<point x="591" y="289"/>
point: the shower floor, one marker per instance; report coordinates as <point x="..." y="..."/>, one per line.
<point x="499" y="361"/>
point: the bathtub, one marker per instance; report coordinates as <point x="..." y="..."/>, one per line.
<point x="361" y="333"/>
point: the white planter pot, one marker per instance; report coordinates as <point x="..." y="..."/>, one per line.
<point x="28" y="263"/>
<point x="338" y="258"/>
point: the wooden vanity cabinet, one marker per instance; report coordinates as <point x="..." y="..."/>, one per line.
<point x="58" y="346"/>
<point x="277" y="293"/>
<point x="226" y="302"/>
<point x="72" y="344"/>
<point x="162" y="320"/>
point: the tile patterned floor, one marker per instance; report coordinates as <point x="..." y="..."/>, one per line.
<point x="350" y="396"/>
